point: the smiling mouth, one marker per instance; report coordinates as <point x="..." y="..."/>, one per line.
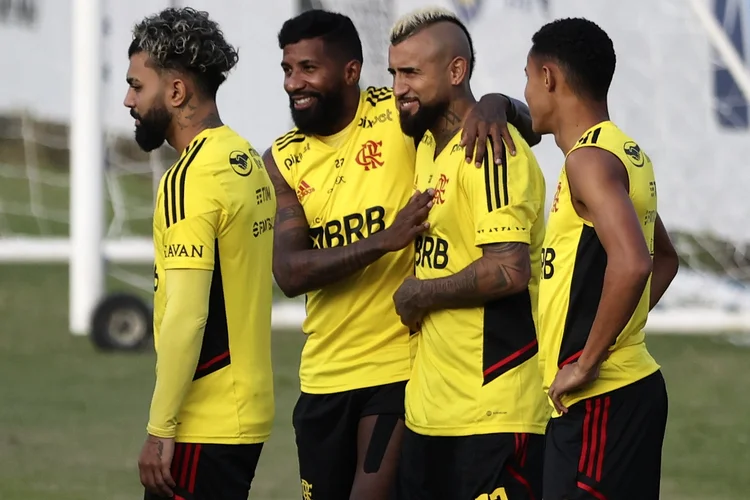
<point x="303" y="102"/>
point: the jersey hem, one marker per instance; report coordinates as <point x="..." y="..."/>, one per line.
<point x="181" y="265"/>
<point x="514" y="237"/>
<point x="191" y="438"/>
<point x="603" y="388"/>
<point x="472" y="430"/>
<point x="307" y="389"/>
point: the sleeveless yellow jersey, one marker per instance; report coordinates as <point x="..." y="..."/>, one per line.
<point x="214" y="211"/>
<point x="573" y="264"/>
<point x="349" y="191"/>
<point x="476" y="370"/>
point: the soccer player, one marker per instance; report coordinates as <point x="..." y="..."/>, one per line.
<point x="609" y="397"/>
<point x="475" y="411"/>
<point x="213" y="404"/>
<point x="344" y="234"/>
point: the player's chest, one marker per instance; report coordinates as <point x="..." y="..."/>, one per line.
<point x="449" y="201"/>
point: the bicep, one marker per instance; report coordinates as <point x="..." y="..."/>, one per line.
<point x="189" y="244"/>
<point x="662" y="242"/>
<point x="599" y="181"/>
<point x="291" y="230"/>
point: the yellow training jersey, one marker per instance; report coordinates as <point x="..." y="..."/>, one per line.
<point x="476" y="370"/>
<point x="214" y="211"/>
<point x="573" y="264"/>
<point x="352" y="186"/>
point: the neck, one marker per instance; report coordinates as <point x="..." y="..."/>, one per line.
<point x="448" y="125"/>
<point x="192" y="119"/>
<point x="574" y="119"/>
<point x="348" y="111"/>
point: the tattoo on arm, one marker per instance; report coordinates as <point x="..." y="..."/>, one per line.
<point x="298" y="267"/>
<point x="503" y="270"/>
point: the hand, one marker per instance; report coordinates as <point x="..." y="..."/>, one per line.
<point x="487" y="119"/>
<point x="570" y="378"/>
<point x="406" y="300"/>
<point x="409" y="222"/>
<point x="154" y="465"/>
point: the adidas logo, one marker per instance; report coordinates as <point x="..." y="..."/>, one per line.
<point x="303" y="190"/>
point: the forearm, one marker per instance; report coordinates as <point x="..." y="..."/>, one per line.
<point x="482" y="281"/>
<point x="301" y="271"/>
<point x="178" y="348"/>
<point x="520" y="117"/>
<point x="665" y="269"/>
<point x="622" y="290"/>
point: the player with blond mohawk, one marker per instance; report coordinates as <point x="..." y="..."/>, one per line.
<point x="475" y="410"/>
<point x="212" y="406"/>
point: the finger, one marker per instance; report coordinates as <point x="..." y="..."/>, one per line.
<point x="148" y="480"/>
<point x="161" y="485"/>
<point x="481" y="146"/>
<point x="415" y="195"/>
<point x="468" y="141"/>
<point x="505" y="134"/>
<point x="166" y="472"/>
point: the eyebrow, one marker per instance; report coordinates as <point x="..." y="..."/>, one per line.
<point x="131" y="80"/>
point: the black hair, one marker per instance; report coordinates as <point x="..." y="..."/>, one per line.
<point x="336" y="30"/>
<point x="188" y="41"/>
<point x="583" y="50"/>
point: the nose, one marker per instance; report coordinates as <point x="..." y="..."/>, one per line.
<point x="293" y="82"/>
<point x="129" y="101"/>
<point x="400" y="86"/>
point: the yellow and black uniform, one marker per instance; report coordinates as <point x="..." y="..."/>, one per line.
<point x="356" y="358"/>
<point x="476" y="383"/>
<point x="627" y="403"/>
<point x="213" y="242"/>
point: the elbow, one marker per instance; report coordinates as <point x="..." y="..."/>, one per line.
<point x="533" y="138"/>
<point x="639" y="268"/>
<point x="520" y="281"/>
<point x="284" y="277"/>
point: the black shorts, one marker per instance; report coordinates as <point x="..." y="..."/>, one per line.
<point x="480" y="467"/>
<point x="212" y="471"/>
<point x="609" y="446"/>
<point x="325" y="427"/>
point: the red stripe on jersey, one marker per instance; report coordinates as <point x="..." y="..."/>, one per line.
<point x="213" y="361"/>
<point x="510" y="358"/>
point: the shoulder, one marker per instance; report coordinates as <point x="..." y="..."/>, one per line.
<point x="289" y="141"/>
<point x="377" y="96"/>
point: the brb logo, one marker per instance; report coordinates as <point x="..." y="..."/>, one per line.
<point x="369" y="155"/>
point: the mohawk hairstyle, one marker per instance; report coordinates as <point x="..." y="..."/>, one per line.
<point x="411" y="24"/>
<point x="336" y="30"/>
<point x="188" y="41"/>
<point x="583" y="50"/>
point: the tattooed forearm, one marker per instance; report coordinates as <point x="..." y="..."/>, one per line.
<point x="503" y="270"/>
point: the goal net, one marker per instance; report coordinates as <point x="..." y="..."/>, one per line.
<point x="678" y="90"/>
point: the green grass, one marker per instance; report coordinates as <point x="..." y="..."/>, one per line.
<point x="72" y="419"/>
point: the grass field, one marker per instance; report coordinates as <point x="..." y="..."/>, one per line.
<point x="72" y="420"/>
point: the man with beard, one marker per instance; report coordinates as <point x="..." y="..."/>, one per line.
<point x="475" y="411"/>
<point x="212" y="405"/>
<point x="346" y="221"/>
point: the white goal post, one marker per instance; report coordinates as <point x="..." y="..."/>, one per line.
<point x="652" y="89"/>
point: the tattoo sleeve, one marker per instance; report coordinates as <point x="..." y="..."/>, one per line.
<point x="297" y="267"/>
<point x="504" y="269"/>
<point x="520" y="117"/>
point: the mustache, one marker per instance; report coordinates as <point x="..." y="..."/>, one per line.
<point x="135" y="115"/>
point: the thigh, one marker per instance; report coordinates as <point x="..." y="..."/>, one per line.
<point x="522" y="474"/>
<point x="603" y="443"/>
<point x="419" y="476"/>
<point x="380" y="432"/>
<point x="213" y="471"/>
<point x="325" y="427"/>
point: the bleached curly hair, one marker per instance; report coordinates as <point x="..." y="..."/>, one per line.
<point x="186" y="40"/>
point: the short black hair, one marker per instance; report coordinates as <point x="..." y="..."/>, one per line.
<point x="336" y="30"/>
<point x="583" y="50"/>
<point x="189" y="41"/>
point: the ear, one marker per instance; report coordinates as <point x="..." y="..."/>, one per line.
<point x="549" y="77"/>
<point x="178" y="93"/>
<point x="352" y="72"/>
<point x="459" y="70"/>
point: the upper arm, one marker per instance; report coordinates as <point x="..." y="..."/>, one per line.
<point x="291" y="229"/>
<point x="662" y="242"/>
<point x="193" y="220"/>
<point x="505" y="199"/>
<point x="599" y="181"/>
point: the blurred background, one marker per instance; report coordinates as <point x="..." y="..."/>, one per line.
<point x="76" y="366"/>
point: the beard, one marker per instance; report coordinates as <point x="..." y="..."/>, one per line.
<point x="322" y="116"/>
<point x="152" y="130"/>
<point x="427" y="115"/>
